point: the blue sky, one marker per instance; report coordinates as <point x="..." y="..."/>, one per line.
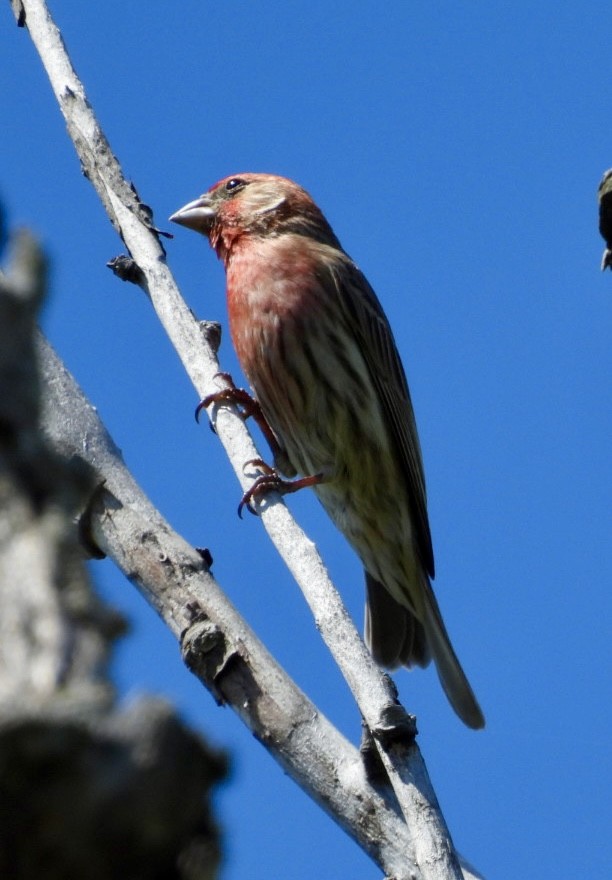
<point x="456" y="149"/>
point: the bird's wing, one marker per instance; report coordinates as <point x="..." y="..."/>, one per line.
<point x="375" y="338"/>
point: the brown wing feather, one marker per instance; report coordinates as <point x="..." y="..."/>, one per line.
<point x="377" y="344"/>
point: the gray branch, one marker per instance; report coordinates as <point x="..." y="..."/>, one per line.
<point x="218" y="645"/>
<point x="374" y="693"/>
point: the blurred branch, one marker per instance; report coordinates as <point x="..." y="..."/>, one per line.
<point x="86" y="790"/>
<point x="373" y="690"/>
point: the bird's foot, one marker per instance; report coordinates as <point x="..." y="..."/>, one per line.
<point x="271" y="481"/>
<point x="245" y="402"/>
<point x="247" y="407"/>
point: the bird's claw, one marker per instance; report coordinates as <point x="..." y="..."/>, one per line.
<point x="247" y="405"/>
<point x="264" y="483"/>
<point x="271" y="481"/>
<point x="263" y="466"/>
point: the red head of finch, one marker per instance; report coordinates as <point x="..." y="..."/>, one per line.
<point x="319" y="353"/>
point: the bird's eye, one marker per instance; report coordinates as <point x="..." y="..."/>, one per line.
<point x="234" y="184"/>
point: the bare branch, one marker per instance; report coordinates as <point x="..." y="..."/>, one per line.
<point x="219" y="647"/>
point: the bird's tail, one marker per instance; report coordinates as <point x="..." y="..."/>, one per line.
<point x="396" y="636"/>
<point x="452" y="677"/>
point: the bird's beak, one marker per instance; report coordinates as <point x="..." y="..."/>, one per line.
<point x="197" y="215"/>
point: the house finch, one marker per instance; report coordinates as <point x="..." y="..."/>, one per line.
<point x="320" y="356"/>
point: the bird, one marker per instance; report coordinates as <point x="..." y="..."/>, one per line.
<point x="604" y="197"/>
<point x="319" y="354"/>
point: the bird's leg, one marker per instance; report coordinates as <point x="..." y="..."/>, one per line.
<point x="271" y="481"/>
<point x="247" y="407"/>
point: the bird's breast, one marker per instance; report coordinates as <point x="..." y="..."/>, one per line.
<point x="272" y="292"/>
<point x="298" y="350"/>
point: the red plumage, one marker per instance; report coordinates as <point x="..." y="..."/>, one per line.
<point x="318" y="351"/>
